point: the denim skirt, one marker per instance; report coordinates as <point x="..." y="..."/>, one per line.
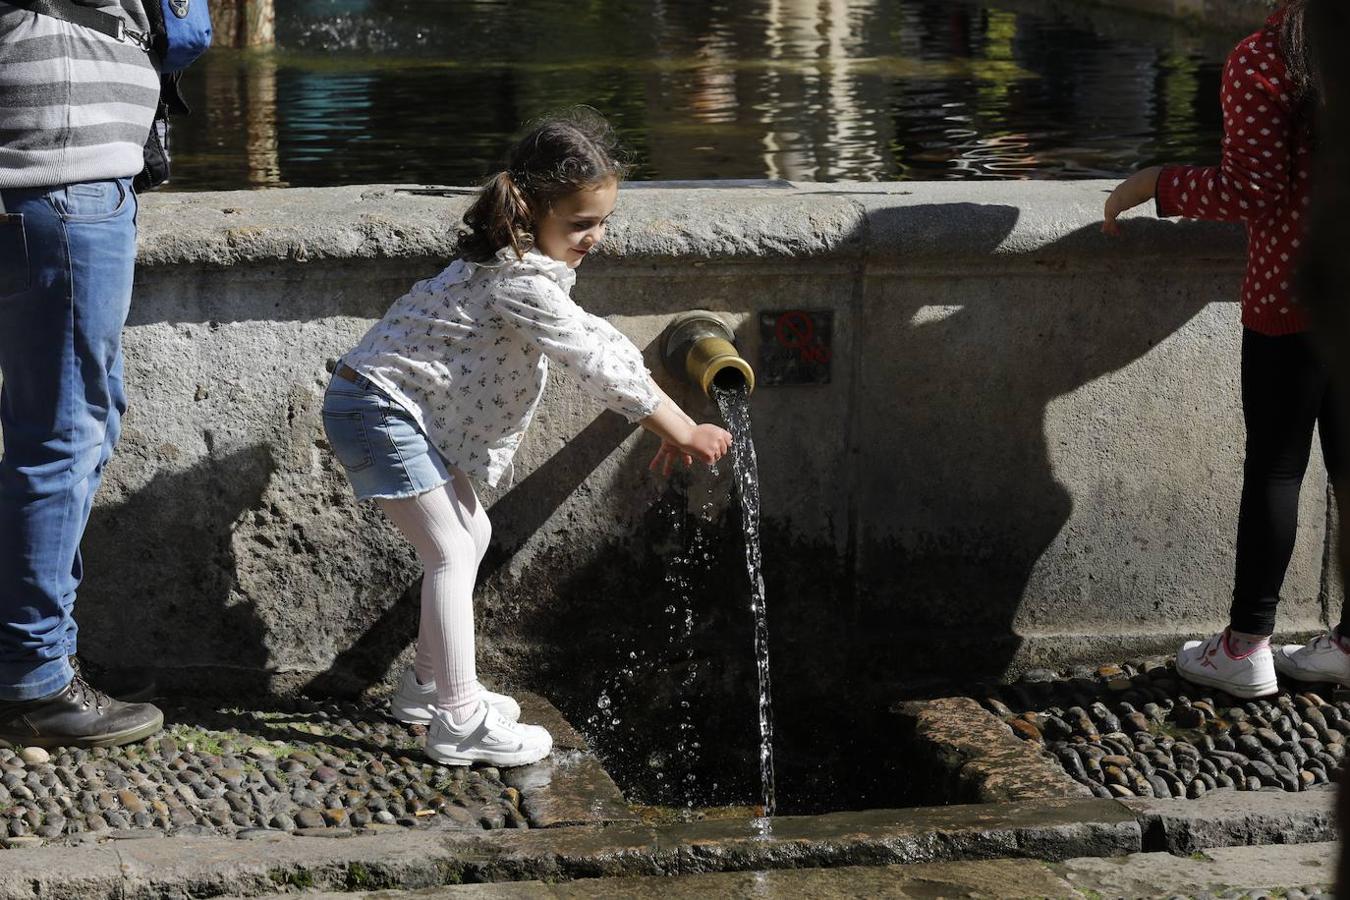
<point x="385" y="455"/>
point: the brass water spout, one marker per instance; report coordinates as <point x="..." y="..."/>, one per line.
<point x="701" y="348"/>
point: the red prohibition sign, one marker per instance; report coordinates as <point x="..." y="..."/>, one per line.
<point x="794" y="330"/>
<point x="817" y="353"/>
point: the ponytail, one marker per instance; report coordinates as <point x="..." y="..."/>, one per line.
<point x="560" y="155"/>
<point x="499" y="217"/>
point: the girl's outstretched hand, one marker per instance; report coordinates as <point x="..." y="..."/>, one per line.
<point x="706" y="443"/>
<point x="1138" y="188"/>
<point x="666" y="458"/>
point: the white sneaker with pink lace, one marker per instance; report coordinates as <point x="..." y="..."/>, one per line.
<point x="1321" y="659"/>
<point x="1212" y="663"/>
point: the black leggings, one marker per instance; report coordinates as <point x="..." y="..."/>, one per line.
<point x="1285" y="392"/>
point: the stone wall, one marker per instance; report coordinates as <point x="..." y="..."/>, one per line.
<point x="1028" y="453"/>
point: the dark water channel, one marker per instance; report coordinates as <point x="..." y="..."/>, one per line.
<point x="429" y="91"/>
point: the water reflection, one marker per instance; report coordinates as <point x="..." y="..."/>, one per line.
<point x="824" y="90"/>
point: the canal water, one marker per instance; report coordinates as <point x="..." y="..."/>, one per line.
<point x="430" y="91"/>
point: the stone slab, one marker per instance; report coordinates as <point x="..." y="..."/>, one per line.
<point x="977" y="756"/>
<point x="1211" y="872"/>
<point x="1039" y="829"/>
<point x="418" y="859"/>
<point x="569" y="788"/>
<point x="1219" y="871"/>
<point x="1226" y="818"/>
<point x="985" y="878"/>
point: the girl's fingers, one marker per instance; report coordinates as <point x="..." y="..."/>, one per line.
<point x="1109" y="215"/>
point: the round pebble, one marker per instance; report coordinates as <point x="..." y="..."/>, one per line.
<point x="34" y="756"/>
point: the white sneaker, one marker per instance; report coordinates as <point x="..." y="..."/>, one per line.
<point x="485" y="737"/>
<point x="1322" y="659"/>
<point x="414" y="702"/>
<point x="1210" y="663"/>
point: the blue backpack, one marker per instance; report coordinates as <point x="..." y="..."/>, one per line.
<point x="180" y="31"/>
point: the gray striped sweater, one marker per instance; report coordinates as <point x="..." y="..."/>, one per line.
<point x="75" y="104"/>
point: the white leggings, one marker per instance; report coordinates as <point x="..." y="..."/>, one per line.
<point x="450" y="531"/>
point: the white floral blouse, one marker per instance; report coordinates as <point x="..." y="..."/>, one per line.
<point x="466" y="353"/>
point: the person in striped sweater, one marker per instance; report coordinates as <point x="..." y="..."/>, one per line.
<point x="76" y="107"/>
<point x="1269" y="94"/>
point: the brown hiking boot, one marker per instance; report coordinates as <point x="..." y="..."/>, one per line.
<point x="77" y="716"/>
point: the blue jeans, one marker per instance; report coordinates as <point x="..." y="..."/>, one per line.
<point x="66" y="260"/>
<point x="380" y="447"/>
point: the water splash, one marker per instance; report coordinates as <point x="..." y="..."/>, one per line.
<point x="735" y="406"/>
<point x="667" y="760"/>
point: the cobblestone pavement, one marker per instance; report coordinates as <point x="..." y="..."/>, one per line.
<point x="300" y="767"/>
<point x="1138" y="730"/>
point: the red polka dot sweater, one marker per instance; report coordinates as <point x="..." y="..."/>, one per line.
<point x="1261" y="181"/>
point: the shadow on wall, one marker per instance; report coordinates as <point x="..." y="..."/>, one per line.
<point x="161" y="575"/>
<point x="963" y="502"/>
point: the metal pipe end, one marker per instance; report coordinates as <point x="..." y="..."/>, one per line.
<point x="700" y="349"/>
<point x="715" y="361"/>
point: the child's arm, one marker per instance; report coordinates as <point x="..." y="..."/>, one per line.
<point x="1254" y="170"/>
<point x="682" y="437"/>
<point x="666" y="398"/>
<point x="607" y="364"/>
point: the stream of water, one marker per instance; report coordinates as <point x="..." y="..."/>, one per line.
<point x="735" y="406"/>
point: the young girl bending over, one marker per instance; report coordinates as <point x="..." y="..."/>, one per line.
<point x="441" y="390"/>
<point x="1269" y="94"/>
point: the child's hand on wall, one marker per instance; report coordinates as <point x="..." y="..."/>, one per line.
<point x="1138" y="188"/>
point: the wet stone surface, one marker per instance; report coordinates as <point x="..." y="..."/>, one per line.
<point x="1138" y="730"/>
<point x="303" y="767"/>
<point x="1308" y="892"/>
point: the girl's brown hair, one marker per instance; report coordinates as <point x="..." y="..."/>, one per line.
<point x="560" y="155"/>
<point x="1301" y="61"/>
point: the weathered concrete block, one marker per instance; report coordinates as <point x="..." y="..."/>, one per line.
<point x="1231" y="818"/>
<point x="976" y="758"/>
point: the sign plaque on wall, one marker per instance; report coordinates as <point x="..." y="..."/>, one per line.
<point x="795" y="346"/>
